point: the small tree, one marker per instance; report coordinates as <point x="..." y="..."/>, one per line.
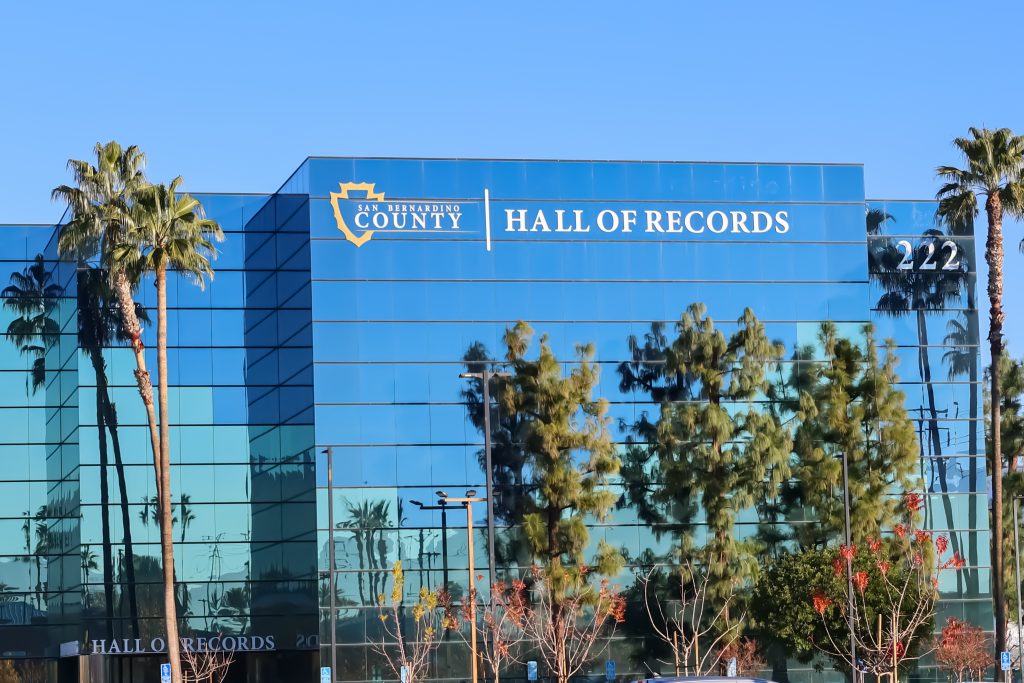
<point x="889" y="629"/>
<point x="691" y="619"/>
<point x="962" y="650"/>
<point x="749" y="661"/>
<point x="408" y="654"/>
<point x="206" y="665"/>
<point x="8" y="674"/>
<point x="567" y="621"/>
<point x="501" y="623"/>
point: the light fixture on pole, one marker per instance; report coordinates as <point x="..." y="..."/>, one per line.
<point x="485" y="378"/>
<point x="442" y="505"/>
<point x="468" y="501"/>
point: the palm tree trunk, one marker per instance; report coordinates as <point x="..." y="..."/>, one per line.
<point x="108" y="560"/>
<point x="994" y="258"/>
<point x="133" y="330"/>
<point x="164" y="472"/>
<point x="359" y="551"/>
<point x="126" y="519"/>
<point x="933" y="432"/>
<point x="972" y="436"/>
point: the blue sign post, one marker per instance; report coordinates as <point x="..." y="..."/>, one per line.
<point x="531" y="670"/>
<point x="405" y="674"/>
<point x="609" y="670"/>
<point x="325" y="674"/>
<point x="1004" y="661"/>
<point x="165" y="673"/>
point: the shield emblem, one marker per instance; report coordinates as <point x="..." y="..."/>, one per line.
<point x="368" y="189"/>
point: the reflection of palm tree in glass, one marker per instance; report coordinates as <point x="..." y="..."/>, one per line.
<point x="366" y="520"/>
<point x="355" y="524"/>
<point x="32" y="296"/>
<point x="148" y="511"/>
<point x="917" y="290"/>
<point x="235" y="606"/>
<point x="99" y="326"/>
<point x="88" y="565"/>
<point x="325" y="599"/>
<point x="186" y="517"/>
<point x="26" y="531"/>
<point x="185" y="514"/>
<point x="41" y="549"/>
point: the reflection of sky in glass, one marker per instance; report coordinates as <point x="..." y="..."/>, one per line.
<point x="393" y="318"/>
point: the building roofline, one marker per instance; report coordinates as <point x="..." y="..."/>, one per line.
<point x="904" y="201"/>
<point x="588" y="161"/>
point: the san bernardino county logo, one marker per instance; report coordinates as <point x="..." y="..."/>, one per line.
<point x="359" y="217"/>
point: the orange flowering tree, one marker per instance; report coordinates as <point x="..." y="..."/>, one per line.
<point x="567" y="621"/>
<point x="895" y="583"/>
<point x="963" y="650"/>
<point x="746" y="652"/>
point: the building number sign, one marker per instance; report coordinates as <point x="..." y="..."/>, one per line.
<point x="947" y="255"/>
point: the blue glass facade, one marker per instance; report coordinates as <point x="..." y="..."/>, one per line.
<point x="343" y="311"/>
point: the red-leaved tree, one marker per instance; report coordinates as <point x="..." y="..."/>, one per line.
<point x="895" y="588"/>
<point x="962" y="650"/>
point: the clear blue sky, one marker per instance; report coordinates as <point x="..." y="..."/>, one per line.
<point x="234" y="95"/>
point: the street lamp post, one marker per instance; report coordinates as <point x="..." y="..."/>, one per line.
<point x="468" y="501"/>
<point x="485" y="378"/>
<point x="1016" y="555"/>
<point x="331" y="564"/>
<point x="849" y="567"/>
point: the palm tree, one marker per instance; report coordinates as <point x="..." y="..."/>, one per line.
<point x="100" y="203"/>
<point x="166" y="230"/>
<point x="994" y="169"/>
<point x="32" y="296"/>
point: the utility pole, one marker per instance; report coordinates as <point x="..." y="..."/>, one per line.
<point x="332" y="563"/>
<point x="849" y="569"/>
<point x="468" y="501"/>
<point x="485" y="378"/>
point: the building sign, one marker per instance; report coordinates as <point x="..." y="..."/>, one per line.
<point x="361" y="211"/>
<point x="138" y="646"/>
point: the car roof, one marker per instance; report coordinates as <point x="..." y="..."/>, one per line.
<point x="703" y="679"/>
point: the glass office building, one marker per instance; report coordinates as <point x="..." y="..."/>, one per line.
<point x="315" y="385"/>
